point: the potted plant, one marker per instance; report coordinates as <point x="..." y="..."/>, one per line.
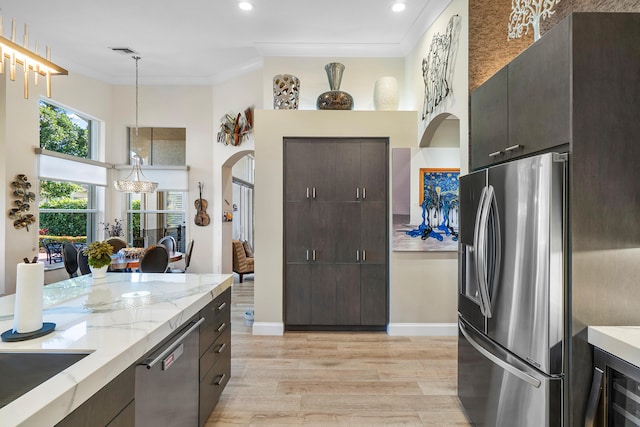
<point x="99" y="257"/>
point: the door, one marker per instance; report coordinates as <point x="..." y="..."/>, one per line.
<point x="527" y="299"/>
<point x="499" y="390"/>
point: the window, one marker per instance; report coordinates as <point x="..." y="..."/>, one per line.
<point x="67" y="207"/>
<point x="243" y="173"/>
<point x="153" y="216"/>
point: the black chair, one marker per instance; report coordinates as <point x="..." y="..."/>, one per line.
<point x="187" y="259"/>
<point x="155" y="259"/>
<point x="53" y="250"/>
<point x="169" y="242"/>
<point x="83" y="263"/>
<point x="117" y="243"/>
<point x="70" y="259"/>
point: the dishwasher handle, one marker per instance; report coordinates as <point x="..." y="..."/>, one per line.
<point x="149" y="363"/>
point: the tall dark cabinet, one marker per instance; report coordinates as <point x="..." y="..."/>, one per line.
<point x="336" y="233"/>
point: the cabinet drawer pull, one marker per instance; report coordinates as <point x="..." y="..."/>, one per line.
<point x="495" y="154"/>
<point x="219" y="379"/>
<point x="221" y="348"/>
<point x="221" y="306"/>
<point x="313" y="255"/>
<point x="364" y="255"/>
<point x="364" y="192"/>
<point x="307" y="192"/>
<point x="357" y="255"/>
<point x="221" y="327"/>
<point x="513" y="147"/>
<point x="357" y="193"/>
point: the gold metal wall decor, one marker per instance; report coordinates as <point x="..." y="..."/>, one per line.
<point x="30" y="61"/>
<point x="234" y="129"/>
<point x="24" y="197"/>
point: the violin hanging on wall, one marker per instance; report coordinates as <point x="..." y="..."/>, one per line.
<point x="202" y="217"/>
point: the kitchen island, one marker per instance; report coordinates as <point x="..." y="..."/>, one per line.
<point x="116" y="320"/>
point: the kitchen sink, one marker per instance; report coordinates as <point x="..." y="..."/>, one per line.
<point x="21" y="372"/>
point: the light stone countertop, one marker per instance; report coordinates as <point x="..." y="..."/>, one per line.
<point x="96" y="316"/>
<point x="621" y="341"/>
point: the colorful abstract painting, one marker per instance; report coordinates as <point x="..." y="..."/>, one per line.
<point x="439" y="202"/>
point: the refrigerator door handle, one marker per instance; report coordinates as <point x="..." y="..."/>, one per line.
<point x="480" y="248"/>
<point x="501" y="363"/>
<point x="492" y="207"/>
<point x="476" y="246"/>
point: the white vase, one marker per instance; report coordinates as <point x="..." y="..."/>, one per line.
<point x="385" y="94"/>
<point x="99" y="272"/>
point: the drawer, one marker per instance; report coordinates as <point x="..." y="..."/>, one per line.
<point x="101" y="408"/>
<point x="212" y="385"/>
<point x="215" y="351"/>
<point x="217" y="316"/>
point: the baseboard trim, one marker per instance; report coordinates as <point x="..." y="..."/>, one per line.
<point x="268" y="328"/>
<point x="423" y="329"/>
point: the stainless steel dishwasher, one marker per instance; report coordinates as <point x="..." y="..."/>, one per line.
<point x="166" y="392"/>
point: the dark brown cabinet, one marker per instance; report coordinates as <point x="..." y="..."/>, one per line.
<point x="336" y="235"/>
<point x="215" y="353"/>
<point x="525" y="107"/>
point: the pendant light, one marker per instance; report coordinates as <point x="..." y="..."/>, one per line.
<point x="136" y="182"/>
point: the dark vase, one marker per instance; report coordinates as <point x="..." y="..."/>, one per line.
<point x="335" y="99"/>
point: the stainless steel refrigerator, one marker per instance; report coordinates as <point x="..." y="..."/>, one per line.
<point x="513" y="321"/>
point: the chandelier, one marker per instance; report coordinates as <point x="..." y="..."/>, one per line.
<point x="136" y="182"/>
<point x="30" y="61"/>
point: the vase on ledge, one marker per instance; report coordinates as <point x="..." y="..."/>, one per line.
<point x="335" y="99"/>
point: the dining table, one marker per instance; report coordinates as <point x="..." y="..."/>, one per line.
<point x="121" y="262"/>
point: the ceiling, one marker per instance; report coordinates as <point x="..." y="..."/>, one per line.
<point x="209" y="41"/>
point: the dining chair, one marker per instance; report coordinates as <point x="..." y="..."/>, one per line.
<point x="155" y="259"/>
<point x="169" y="242"/>
<point x="70" y="259"/>
<point x="187" y="259"/>
<point x="117" y="243"/>
<point x="83" y="263"/>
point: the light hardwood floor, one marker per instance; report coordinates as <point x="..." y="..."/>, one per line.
<point x="325" y="379"/>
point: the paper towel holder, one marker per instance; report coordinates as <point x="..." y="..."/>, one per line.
<point x="11" y="336"/>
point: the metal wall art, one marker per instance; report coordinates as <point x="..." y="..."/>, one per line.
<point x="525" y="13"/>
<point x="437" y="67"/>
<point x="24" y="197"/>
<point x="235" y="128"/>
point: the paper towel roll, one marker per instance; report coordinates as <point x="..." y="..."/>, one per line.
<point x="27" y="316"/>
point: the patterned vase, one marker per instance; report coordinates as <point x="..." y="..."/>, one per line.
<point x="385" y="94"/>
<point x="335" y="99"/>
<point x="286" y="91"/>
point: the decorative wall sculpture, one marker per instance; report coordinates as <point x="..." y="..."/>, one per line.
<point x="234" y="129"/>
<point x="437" y="66"/>
<point x="24" y="197"/>
<point x="525" y="13"/>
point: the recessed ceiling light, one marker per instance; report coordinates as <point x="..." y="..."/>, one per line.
<point x="398" y="7"/>
<point x="245" y="5"/>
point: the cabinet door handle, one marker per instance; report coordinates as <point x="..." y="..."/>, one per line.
<point x="219" y="379"/>
<point x="307" y="254"/>
<point x="357" y="193"/>
<point x="364" y="255"/>
<point x="222" y="327"/>
<point x="221" y="306"/>
<point x="221" y="348"/>
<point x="307" y="192"/>
<point x="495" y="154"/>
<point x="513" y="147"/>
<point x="313" y="255"/>
<point x="313" y="192"/>
<point x="364" y="192"/>
<point x="358" y="255"/>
